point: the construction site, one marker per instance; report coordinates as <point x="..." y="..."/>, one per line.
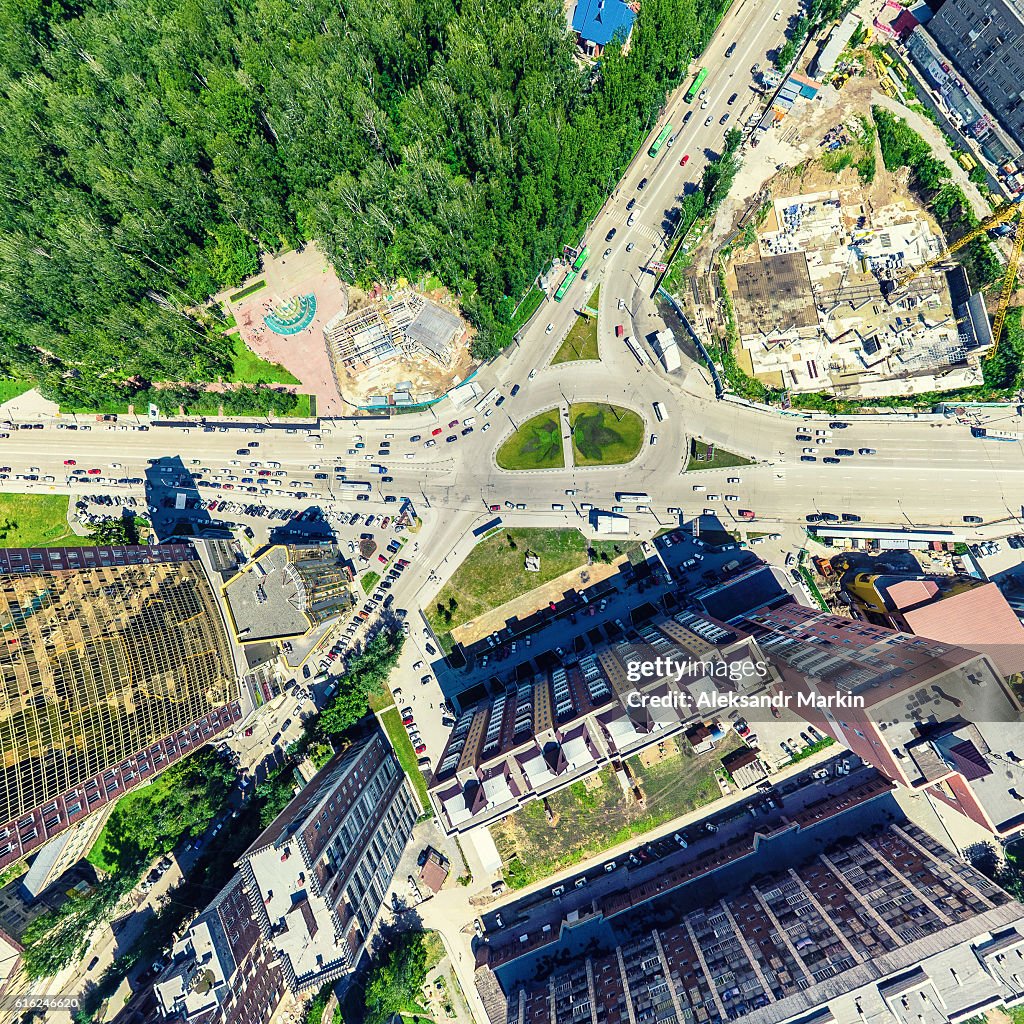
<point x="820" y="306"/>
<point x="402" y="349"/>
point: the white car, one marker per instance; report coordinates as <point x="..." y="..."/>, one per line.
<point x="710" y="118"/>
<point x="732" y="497"/>
<point x="810" y="451"/>
<point x="714" y="497"/>
<point x="733" y="480"/>
<point x="532" y="374"/>
<point x="654" y="438"/>
<point x="607" y="253"/>
<point x="549" y="328"/>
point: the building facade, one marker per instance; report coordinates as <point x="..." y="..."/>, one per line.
<point x="985" y="41"/>
<point x="305" y="897"/>
<point x="116" y="663"/>
<point x="928" y="714"/>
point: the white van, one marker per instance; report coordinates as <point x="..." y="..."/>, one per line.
<point x="659" y="411"/>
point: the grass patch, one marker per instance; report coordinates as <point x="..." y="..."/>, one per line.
<point x="537" y="444"/>
<point x="530" y="304"/>
<point x="369" y="581"/>
<point x="493" y="573"/>
<point x="604" y="435"/>
<point x="249" y="368"/>
<point x="37" y="521"/>
<point x="303" y="407"/>
<point x="589" y="819"/>
<point x="580" y="342"/>
<point x="250" y="290"/>
<point x="823" y="744"/>
<point x="391" y="720"/>
<point x="11" y="388"/>
<point x="721" y="459"/>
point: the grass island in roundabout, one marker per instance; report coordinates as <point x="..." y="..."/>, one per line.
<point x="602" y="435"/>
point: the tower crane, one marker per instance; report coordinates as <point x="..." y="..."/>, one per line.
<point x="1004" y="215"/>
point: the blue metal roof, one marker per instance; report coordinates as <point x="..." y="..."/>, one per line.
<point x="600" y="21"/>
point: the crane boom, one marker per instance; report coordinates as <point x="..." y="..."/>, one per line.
<point x="1008" y="282"/>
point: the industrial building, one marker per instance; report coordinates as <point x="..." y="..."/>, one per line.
<point x="116" y="663"/>
<point x="297" y="914"/>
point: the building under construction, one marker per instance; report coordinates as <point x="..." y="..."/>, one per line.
<point x="406" y="324"/>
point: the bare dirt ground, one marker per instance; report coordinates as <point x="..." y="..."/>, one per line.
<point x="304" y="354"/>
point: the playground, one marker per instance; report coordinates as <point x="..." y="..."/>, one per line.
<point x="281" y="314"/>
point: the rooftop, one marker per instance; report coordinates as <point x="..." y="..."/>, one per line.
<point x="601" y="21"/>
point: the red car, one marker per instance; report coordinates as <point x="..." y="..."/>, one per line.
<point x="95" y="472"/>
<point x="494" y="508"/>
<point x="435" y="432"/>
<point x="381" y="558"/>
<point x="454" y="423"/>
<point x="420" y="748"/>
<point x="70" y="462"/>
<point x="682" y="163"/>
<point x="248" y="732"/>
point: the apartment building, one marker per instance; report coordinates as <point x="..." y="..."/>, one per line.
<point x="298" y="912"/>
<point x="825" y="920"/>
<point x="928" y="714"/>
<point x="116" y="663"/>
<point x="985" y="41"/>
<point x="560" y="725"/>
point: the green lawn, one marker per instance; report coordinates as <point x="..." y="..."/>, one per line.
<point x="722" y="459"/>
<point x="537" y="444"/>
<point x="369" y="581"/>
<point x="249" y="368"/>
<point x="37" y="521"/>
<point x="590" y="820"/>
<point x="11" y="388"/>
<point x="580" y="342"/>
<point x="97" y="855"/>
<point x="494" y="573"/>
<point x="604" y="435"/>
<point x="391" y="720"/>
<point x="529" y="306"/>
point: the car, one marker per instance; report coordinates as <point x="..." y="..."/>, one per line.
<point x="972" y="519"/>
<point x="732" y="99"/>
<point x="810" y="451"/>
<point x="813" y="517"/>
<point x="453" y="424"/>
<point x="849" y="517"/>
<point x="532" y="374"/>
<point x="838" y="425"/>
<point x="500" y="400"/>
<point x="831" y="460"/>
<point x="777" y="16"/>
<point x="866" y="451"/>
<point x="724" y="118"/>
<point x="731" y="50"/>
<point x="709" y="120"/>
<point x="808" y="458"/>
<point x="70" y="462"/>
<point x="606" y="254"/>
<point x="844" y="451"/>
<point x="514" y="391"/>
<point x="436" y="431"/>
<point x="584" y="275"/>
<point x="631" y="204"/>
<point x="549" y="328"/>
<point x="642" y="185"/>
<point x="685" y="160"/>
<point x="630" y="246"/>
<point x="610" y="235"/>
<point x="804" y="437"/>
<point x="654" y="438"/>
<point x="420" y="748"/>
<point x="450" y="438"/>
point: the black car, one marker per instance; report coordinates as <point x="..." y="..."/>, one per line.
<point x="804" y="437"/>
<point x="631" y="204"/>
<point x="415" y="437"/>
<point x="733" y="98"/>
<point x="831" y="460"/>
<point x="813" y="517"/>
<point x="849" y="517"/>
<point x="584" y="275"/>
<point x="642" y="185"/>
<point x="501" y="398"/>
<point x="1014" y="541"/>
<point x="387" y="479"/>
<point x="731" y="50"/>
<point x="838" y="426"/>
<point x="515" y="390"/>
<point x="689" y="114"/>
<point x="830" y="517"/>
<point x="844" y="451"/>
<point x="610" y="235"/>
<point x="466" y="430"/>
<point x="808" y="458"/>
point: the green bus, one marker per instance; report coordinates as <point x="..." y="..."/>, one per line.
<point x="565" y="285"/>
<point x="660" y="140"/>
<point x="581" y="259"/>
<point x="691" y="93"/>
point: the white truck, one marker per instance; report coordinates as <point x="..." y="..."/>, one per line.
<point x="660" y="412"/>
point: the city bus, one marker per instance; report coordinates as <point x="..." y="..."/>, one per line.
<point x="352" y="487"/>
<point x="632" y="497"/>
<point x="691" y="93"/>
<point x="581" y="259"/>
<point x="564" y="286"/>
<point x="660" y="140"/>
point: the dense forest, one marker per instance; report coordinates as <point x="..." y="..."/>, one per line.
<point x="155" y="147"/>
